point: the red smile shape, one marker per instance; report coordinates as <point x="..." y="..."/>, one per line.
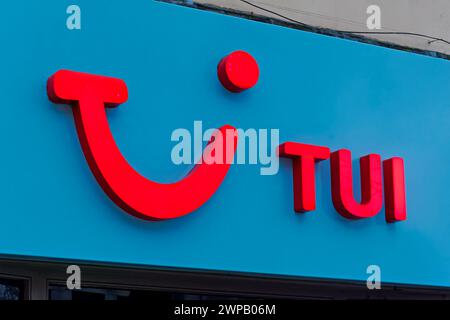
<point x="89" y="95"/>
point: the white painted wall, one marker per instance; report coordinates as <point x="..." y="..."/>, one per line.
<point x="430" y="17"/>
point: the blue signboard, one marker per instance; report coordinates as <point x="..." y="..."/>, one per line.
<point x="315" y="89"/>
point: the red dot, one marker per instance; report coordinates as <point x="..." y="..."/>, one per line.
<point x="238" y="71"/>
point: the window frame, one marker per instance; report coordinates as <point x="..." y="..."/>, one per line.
<point x="42" y="274"/>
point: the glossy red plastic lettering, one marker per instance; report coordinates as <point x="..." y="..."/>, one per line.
<point x="394" y="189"/>
<point x="304" y="157"/>
<point x="89" y="94"/>
<point x="342" y="185"/>
<point x="238" y="71"/>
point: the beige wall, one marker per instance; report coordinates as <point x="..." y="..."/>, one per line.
<point x="430" y="17"/>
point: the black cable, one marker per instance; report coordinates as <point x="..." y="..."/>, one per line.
<point x="346" y="31"/>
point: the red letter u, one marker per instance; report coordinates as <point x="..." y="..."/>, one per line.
<point x="342" y="185"/>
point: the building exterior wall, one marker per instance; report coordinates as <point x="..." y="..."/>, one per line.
<point x="315" y="89"/>
<point x="428" y="17"/>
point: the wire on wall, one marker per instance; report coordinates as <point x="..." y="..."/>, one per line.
<point x="299" y="23"/>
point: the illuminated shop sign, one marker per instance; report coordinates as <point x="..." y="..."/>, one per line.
<point x="304" y="158"/>
<point x="90" y="94"/>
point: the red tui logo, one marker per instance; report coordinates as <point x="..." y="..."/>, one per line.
<point x="89" y="95"/>
<point x="144" y="198"/>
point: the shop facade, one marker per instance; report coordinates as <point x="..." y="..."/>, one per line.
<point x="289" y="233"/>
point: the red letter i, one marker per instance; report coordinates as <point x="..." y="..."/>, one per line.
<point x="394" y="189"/>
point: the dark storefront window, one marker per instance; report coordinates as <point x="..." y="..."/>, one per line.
<point x="60" y="292"/>
<point x="11" y="289"/>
